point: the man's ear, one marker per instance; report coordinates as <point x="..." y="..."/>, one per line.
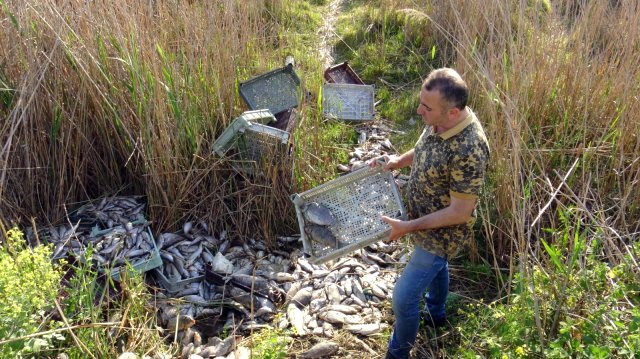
<point x="453" y="112"/>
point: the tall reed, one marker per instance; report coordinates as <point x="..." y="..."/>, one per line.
<point x="556" y="86"/>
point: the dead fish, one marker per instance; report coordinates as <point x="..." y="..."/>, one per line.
<point x="251" y="283"/>
<point x="377" y="291"/>
<point x="302" y="298"/>
<point x="336" y="317"/>
<point x="318" y="214"/>
<point x="332" y="316"/>
<point x="186" y="227"/>
<point x="320" y="350"/>
<point x="346" y="309"/>
<point x="364" y="329"/>
<point x="333" y="293"/>
<point x="305" y="265"/>
<point x="281" y="277"/>
<point x="261" y="305"/>
<point x="322" y="235"/>
<point x="296" y="317"/>
<point x="293" y="290"/>
<point x="180" y="322"/>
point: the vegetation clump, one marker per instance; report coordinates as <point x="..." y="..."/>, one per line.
<point x="29" y="285"/>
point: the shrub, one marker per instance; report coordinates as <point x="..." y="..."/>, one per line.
<point x="29" y="283"/>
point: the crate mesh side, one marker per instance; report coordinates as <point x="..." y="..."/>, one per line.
<point x="348" y="102"/>
<point x="276" y="93"/>
<point x="357" y="207"/>
<point x="258" y="145"/>
<point x="232" y="142"/>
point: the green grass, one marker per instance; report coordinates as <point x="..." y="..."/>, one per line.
<point x="270" y="344"/>
<point x="379" y="48"/>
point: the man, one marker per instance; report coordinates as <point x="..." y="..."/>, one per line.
<point x="448" y="164"/>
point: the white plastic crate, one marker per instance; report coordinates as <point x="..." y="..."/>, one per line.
<point x="357" y="201"/>
<point x="251" y="141"/>
<point x="239" y="125"/>
<point x="348" y="101"/>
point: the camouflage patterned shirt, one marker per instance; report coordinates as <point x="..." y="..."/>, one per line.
<point x="452" y="163"/>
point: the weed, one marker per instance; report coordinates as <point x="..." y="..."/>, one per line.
<point x="270" y="344"/>
<point x="28" y="287"/>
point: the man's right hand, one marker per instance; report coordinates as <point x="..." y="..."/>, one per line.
<point x="389" y="162"/>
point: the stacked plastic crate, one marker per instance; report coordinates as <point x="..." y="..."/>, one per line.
<point x="263" y="132"/>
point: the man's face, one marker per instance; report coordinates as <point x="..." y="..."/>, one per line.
<point x="431" y="108"/>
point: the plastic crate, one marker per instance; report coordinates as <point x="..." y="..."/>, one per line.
<point x="275" y="90"/>
<point x="357" y="201"/>
<point x="174" y="286"/>
<point x="348" y="102"/>
<point x="286" y="120"/>
<point x="342" y="74"/>
<point x="87" y="219"/>
<point x="152" y="262"/>
<point x="249" y="137"/>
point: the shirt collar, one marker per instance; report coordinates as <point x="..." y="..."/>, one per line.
<point x="459" y="127"/>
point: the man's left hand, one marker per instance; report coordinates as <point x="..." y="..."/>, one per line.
<point x="398" y="228"/>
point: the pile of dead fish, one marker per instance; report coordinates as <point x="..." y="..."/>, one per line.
<point x="209" y="286"/>
<point x="373" y="141"/>
<point x="242" y="286"/>
<point x="111" y="211"/>
<point x="345" y="294"/>
<point x="126" y="237"/>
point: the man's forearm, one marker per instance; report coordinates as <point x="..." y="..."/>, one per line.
<point x="406" y="159"/>
<point x="443" y="218"/>
<point x="457" y="213"/>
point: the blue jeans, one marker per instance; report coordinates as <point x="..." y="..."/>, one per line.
<point x="425" y="271"/>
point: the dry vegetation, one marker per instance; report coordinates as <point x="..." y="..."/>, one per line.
<point x="556" y="84"/>
<point x="557" y="88"/>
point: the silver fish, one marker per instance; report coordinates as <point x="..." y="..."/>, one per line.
<point x="296" y="317"/>
<point x="302" y="298"/>
<point x="321" y="350"/>
<point x="318" y="214"/>
<point x="322" y="235"/>
<point x="365" y="329"/>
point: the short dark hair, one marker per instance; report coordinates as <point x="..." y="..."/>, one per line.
<point x="450" y="85"/>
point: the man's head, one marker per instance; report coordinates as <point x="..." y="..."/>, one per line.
<point x="443" y="95"/>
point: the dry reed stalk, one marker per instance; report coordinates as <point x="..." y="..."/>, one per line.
<point x="555" y="89"/>
<point x="59" y="330"/>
